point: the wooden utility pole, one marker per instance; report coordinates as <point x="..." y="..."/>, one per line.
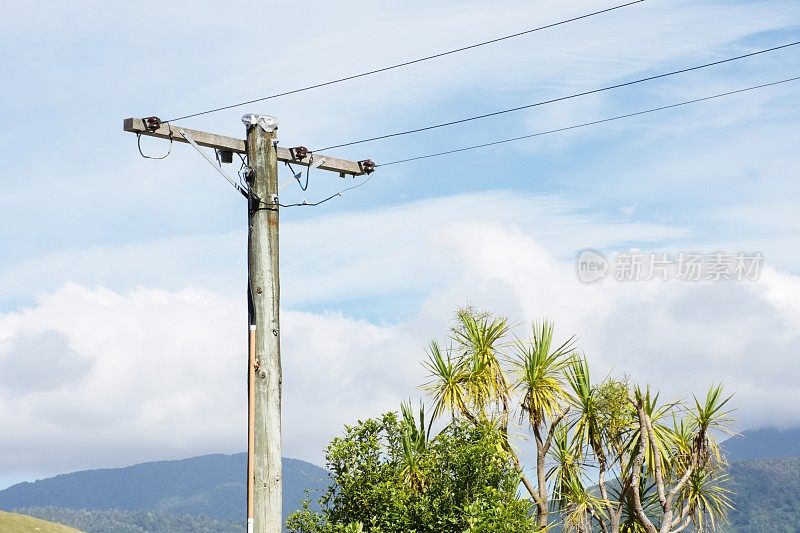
<point x="264" y="477"/>
<point x="264" y="283"/>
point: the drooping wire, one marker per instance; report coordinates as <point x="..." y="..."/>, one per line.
<point x="584" y="124"/>
<point x="141" y="153"/>
<point x="244" y="169"/>
<point x="331" y="197"/>
<point x="298" y="175"/>
<point x="560" y="99"/>
<point x="407" y="63"/>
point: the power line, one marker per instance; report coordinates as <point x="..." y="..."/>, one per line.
<point x="560" y="99"/>
<point x="594" y="122"/>
<point x="407" y="63"/>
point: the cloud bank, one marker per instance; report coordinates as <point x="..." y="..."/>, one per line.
<point x="93" y="376"/>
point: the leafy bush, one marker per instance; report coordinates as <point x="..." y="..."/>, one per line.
<point x="388" y="476"/>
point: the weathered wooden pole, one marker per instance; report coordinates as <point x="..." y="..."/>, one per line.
<point x="264" y="491"/>
<point x="264" y="475"/>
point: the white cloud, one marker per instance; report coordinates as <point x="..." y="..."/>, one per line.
<point x="157" y="371"/>
<point x="165" y="378"/>
<point x="163" y="372"/>
<point x="157" y="376"/>
<point x="384" y="251"/>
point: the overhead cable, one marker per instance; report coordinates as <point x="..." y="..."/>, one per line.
<point x="584" y="124"/>
<point x="406" y="63"/>
<point x="559" y="99"/>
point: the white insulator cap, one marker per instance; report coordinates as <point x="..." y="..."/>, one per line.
<point x="269" y="123"/>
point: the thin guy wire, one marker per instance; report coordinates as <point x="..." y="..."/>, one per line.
<point x="406" y="63"/>
<point x="653" y="110"/>
<point x="560" y="99"/>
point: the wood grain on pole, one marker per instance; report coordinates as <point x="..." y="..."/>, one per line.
<point x="232" y="144"/>
<point x="265" y="287"/>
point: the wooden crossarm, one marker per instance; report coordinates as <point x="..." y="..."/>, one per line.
<point x="232" y="144"/>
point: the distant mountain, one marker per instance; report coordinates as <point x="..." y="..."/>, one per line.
<point x="765" y="494"/>
<point x="207" y="494"/>
<point x="763" y="443"/>
<point x="17" y="523"/>
<point x="210" y="485"/>
<point x="765" y="481"/>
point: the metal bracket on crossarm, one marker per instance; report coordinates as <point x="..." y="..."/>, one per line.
<point x="316" y="163"/>
<point x="225" y="175"/>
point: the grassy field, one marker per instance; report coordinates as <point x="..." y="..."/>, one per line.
<point x="17" y="523"/>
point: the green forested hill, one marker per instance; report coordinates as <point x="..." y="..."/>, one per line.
<point x="211" y="486"/>
<point x="206" y="494"/>
<point x="767" y="495"/>
<point x="18" y="523"/>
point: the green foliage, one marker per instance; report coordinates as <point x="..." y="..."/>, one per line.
<point x="613" y="411"/>
<point x="660" y="449"/>
<point x="657" y="465"/>
<point x="448" y="376"/>
<point x="765" y="496"/>
<point x="539" y="370"/>
<point x="707" y="417"/>
<point x="630" y="523"/>
<point x="566" y="466"/>
<point x="494" y="511"/>
<point x="463" y="480"/>
<point x="477" y="337"/>
<point x="586" y="428"/>
<point x="707" y="496"/>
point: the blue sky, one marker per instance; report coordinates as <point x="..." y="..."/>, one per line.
<point x="100" y="249"/>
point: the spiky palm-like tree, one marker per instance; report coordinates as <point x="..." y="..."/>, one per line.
<point x="598" y="430"/>
<point x="629" y="521"/>
<point x="581" y="508"/>
<point x="578" y="505"/>
<point x="538" y="367"/>
<point x="414" y="439"/>
<point x="566" y="463"/>
<point x="468" y="377"/>
<point x="447" y="382"/>
<point x="659" y="438"/>
<point x="706" y="498"/>
<point x="668" y="475"/>
<point x="710" y="416"/>
<point x="479" y="337"/>
<point x="686" y="471"/>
